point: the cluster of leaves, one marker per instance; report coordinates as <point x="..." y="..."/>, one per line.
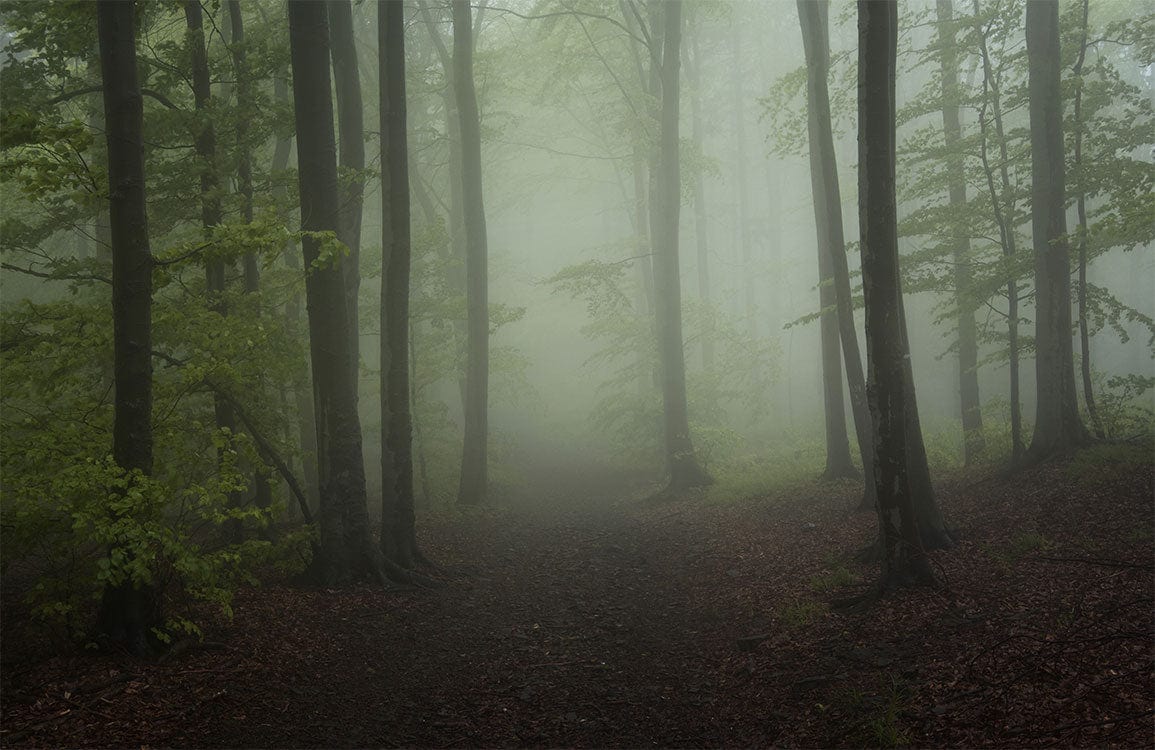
<point x="74" y="522"/>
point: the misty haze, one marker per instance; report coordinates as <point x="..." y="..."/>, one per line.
<point x="577" y="373"/>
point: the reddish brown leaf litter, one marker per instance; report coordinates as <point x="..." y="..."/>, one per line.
<point x="616" y="623"/>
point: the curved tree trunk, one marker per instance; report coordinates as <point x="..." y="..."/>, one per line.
<point x="903" y="558"/>
<point x="828" y="199"/>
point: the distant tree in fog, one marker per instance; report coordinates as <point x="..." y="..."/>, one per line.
<point x="474" y="458"/>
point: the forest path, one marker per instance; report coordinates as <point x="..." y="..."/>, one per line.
<point x="580" y="616"/>
<point x="586" y="619"/>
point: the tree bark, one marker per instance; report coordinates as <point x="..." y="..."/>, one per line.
<point x="127" y="610"/>
<point x="1081" y="233"/>
<point x="1058" y="427"/>
<point x="701" y="215"/>
<point x="685" y="472"/>
<point x="205" y="141"/>
<point x="347" y="550"/>
<point x="302" y="384"/>
<point x="742" y="187"/>
<point x="351" y="160"/>
<point x="903" y="558"/>
<point x="474" y="457"/>
<point x="828" y="220"/>
<point x="1004" y="221"/>
<point x="398" y="522"/>
<point x="263" y="491"/>
<point x="970" y="406"/>
<point x="244" y="154"/>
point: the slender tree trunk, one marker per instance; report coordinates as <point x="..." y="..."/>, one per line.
<point x="1004" y="219"/>
<point x="1081" y="233"/>
<point x="302" y="385"/>
<point x="685" y="472"/>
<point x="244" y="155"/>
<point x="1057" y="424"/>
<point x="347" y="549"/>
<point x="474" y="458"/>
<point x="398" y="522"/>
<point x="127" y="610"/>
<point x="263" y="491"/>
<point x="970" y="406"/>
<point x="701" y="215"/>
<point x="740" y="157"/>
<point x="828" y="200"/>
<point x="205" y="142"/>
<point x="351" y="160"/>
<point x="903" y="558"/>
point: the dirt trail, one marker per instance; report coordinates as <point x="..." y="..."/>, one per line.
<point x="577" y="617"/>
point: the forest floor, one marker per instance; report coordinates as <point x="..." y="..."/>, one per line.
<point x="588" y="617"/>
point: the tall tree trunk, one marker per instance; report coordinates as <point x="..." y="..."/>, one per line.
<point x="903" y="558"/>
<point x="474" y="456"/>
<point x="244" y="155"/>
<point x="455" y="268"/>
<point x="128" y="610"/>
<point x="1004" y="219"/>
<point x="970" y="406"/>
<point x="665" y="204"/>
<point x="347" y="549"/>
<point x="701" y="215"/>
<point x="1081" y="232"/>
<point x="263" y="491"/>
<point x="302" y="383"/>
<point x="828" y="220"/>
<point x="398" y="524"/>
<point x="205" y="141"/>
<point x="1058" y="427"/>
<point x="351" y="159"/>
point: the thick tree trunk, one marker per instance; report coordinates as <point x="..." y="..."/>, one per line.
<point x="903" y="558"/>
<point x="351" y="159"/>
<point x="1058" y="427"/>
<point x="127" y="611"/>
<point x="970" y="406"/>
<point x="347" y="549"/>
<point x="828" y="220"/>
<point x="701" y="215"/>
<point x="474" y="457"/>
<point x="685" y="472"/>
<point x="398" y="524"/>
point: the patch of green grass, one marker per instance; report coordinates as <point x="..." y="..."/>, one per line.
<point x="833" y="579"/>
<point x="801" y="612"/>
